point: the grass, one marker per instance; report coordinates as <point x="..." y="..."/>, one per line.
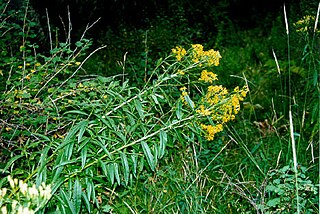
<point x="106" y="131"/>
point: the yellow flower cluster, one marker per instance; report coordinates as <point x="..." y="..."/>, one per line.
<point x="306" y="24"/>
<point x="217" y="104"/>
<point x="198" y="55"/>
<point x="208" y="76"/>
<point x="179" y="52"/>
<point x="212" y="130"/>
<point x="221" y="107"/>
<point x="211" y="57"/>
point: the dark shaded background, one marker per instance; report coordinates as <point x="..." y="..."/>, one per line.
<point x="114" y="13"/>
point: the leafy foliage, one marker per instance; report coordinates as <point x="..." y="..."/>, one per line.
<point x="157" y="131"/>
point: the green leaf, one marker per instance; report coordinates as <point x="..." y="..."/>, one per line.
<point x="11" y="161"/>
<point x="163" y="143"/>
<point x="67" y="202"/>
<point x="110" y="172"/>
<point x="77" y="191"/>
<point x="90" y="190"/>
<point x="116" y="172"/>
<point x="102" y="144"/>
<point x="104" y="79"/>
<point x="148" y="154"/>
<point x="273" y="202"/>
<point x="107" y="171"/>
<point x="189" y="101"/>
<point x="125" y="165"/>
<point x="63" y="163"/>
<point x="179" y="111"/>
<point x="82" y="127"/>
<point x="134" y="159"/>
<point x="138" y="106"/>
<point x="42" y="170"/>
<point x="84" y="152"/>
<point x="86" y="202"/>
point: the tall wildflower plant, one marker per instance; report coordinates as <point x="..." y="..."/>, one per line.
<point x="214" y="104"/>
<point x="93" y="138"/>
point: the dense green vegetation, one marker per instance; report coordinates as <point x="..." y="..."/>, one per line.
<point x="162" y="118"/>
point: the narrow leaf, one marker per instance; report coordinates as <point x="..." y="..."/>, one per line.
<point x="84" y="152"/>
<point x="148" y="154"/>
<point x="125" y="165"/>
<point x="163" y="143"/>
<point x="82" y="128"/>
<point x="179" y="111"/>
<point x="77" y="191"/>
<point x="134" y="159"/>
<point x="67" y="202"/>
<point x="86" y="202"/>
<point x="116" y="172"/>
<point x="110" y="172"/>
<point x="138" y="106"/>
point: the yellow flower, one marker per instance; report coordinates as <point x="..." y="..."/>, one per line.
<point x="180" y="72"/>
<point x="77" y="63"/>
<point x="211" y="130"/>
<point x="203" y="111"/>
<point x="183" y="88"/>
<point x="179" y="52"/>
<point x="208" y="76"/>
<point x="37" y="64"/>
<point x="213" y="57"/>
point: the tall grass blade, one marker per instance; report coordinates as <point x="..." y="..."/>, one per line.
<point x="317" y="19"/>
<point x="295" y="164"/>
<point x="285" y="19"/>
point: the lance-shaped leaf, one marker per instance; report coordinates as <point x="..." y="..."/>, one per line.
<point x="148" y="154"/>
<point x="163" y="143"/>
<point x="125" y="165"/>
<point x="77" y="191"/>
